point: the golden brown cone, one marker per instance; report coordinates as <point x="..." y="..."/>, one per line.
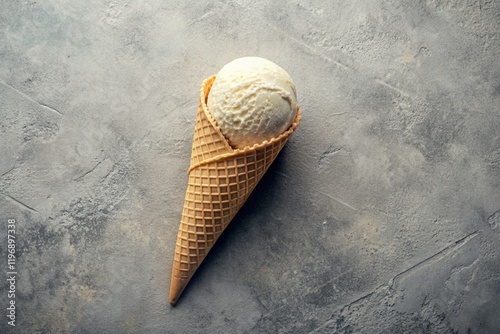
<point x="220" y="181"/>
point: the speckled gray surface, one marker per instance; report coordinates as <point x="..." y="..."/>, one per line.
<point x="381" y="215"/>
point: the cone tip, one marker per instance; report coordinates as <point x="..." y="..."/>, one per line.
<point x="176" y="289"/>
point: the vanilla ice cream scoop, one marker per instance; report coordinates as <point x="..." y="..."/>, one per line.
<point x="252" y="100"/>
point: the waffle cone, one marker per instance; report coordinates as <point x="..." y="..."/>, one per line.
<point x="220" y="181"/>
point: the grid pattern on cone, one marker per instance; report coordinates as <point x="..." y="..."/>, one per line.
<point x="208" y="141"/>
<point x="215" y="193"/>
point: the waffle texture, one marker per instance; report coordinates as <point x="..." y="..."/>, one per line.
<point x="220" y="181"/>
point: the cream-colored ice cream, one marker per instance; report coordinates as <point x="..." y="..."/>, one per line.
<point x="252" y="100"/>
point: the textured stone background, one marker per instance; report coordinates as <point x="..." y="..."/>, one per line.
<point x="381" y="215"/>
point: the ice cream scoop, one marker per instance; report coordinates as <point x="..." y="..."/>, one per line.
<point x="252" y="100"/>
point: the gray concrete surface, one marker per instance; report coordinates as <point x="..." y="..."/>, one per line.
<point x="381" y="215"/>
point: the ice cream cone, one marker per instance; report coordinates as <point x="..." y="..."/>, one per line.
<point x="220" y="181"/>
